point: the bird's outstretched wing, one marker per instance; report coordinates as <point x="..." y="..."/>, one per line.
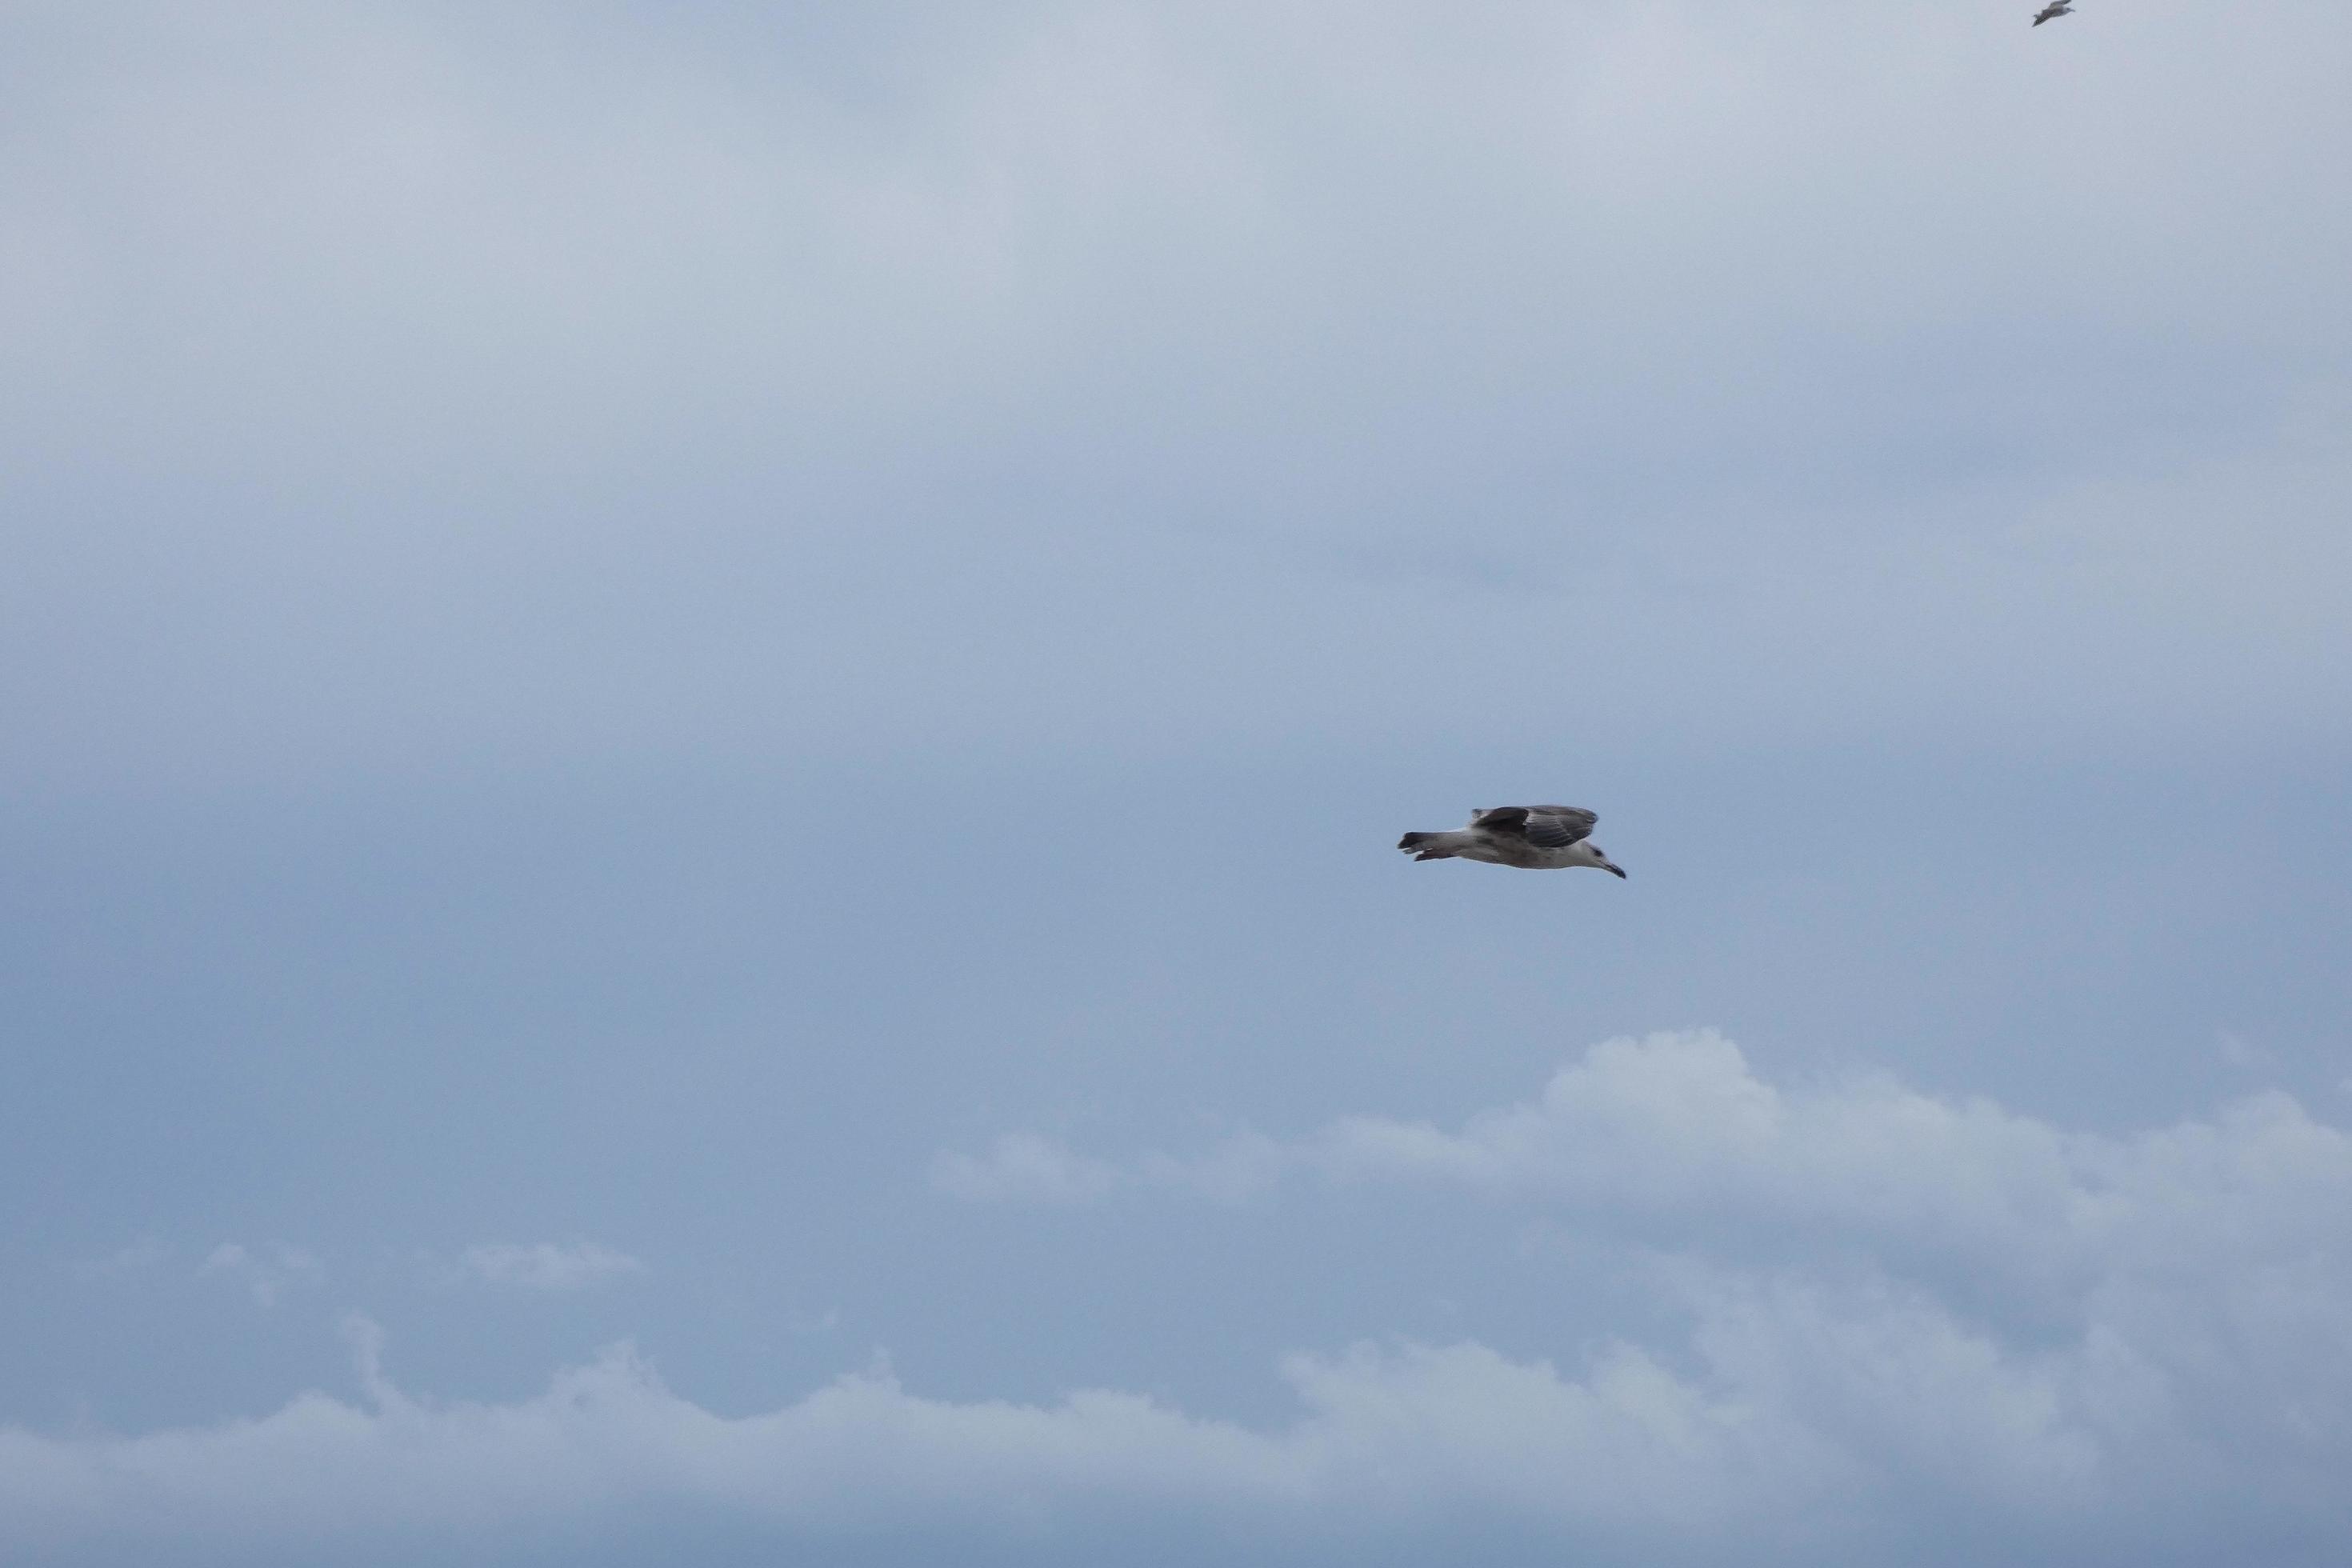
<point x="1545" y="827"/>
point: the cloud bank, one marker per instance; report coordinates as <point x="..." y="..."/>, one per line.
<point x="2116" y="1349"/>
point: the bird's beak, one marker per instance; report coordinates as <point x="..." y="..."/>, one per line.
<point x="1614" y="868"/>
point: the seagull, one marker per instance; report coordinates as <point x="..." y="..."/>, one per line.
<point x="2055" y="8"/>
<point x="1533" y="837"/>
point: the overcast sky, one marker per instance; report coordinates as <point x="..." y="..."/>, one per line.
<point x="702" y="709"/>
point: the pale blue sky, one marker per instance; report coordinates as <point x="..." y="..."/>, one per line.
<point x="702" y="709"/>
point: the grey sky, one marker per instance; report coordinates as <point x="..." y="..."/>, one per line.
<point x="735" y="680"/>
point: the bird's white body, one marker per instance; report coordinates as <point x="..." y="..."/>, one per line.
<point x="1468" y="844"/>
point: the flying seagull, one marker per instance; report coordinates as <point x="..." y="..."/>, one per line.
<point x="1534" y="837"/>
<point x="2055" y="8"/>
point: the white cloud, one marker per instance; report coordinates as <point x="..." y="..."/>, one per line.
<point x="268" y="1273"/>
<point x="823" y="1323"/>
<point x="1023" y="1167"/>
<point x="140" y="1256"/>
<point x="1677" y="1131"/>
<point x="1384" y="1436"/>
<point x="2240" y="1052"/>
<point x="545" y="1266"/>
<point x="1027" y="1167"/>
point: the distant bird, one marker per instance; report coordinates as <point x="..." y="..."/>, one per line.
<point x="2055" y="8"/>
<point x="1533" y="837"/>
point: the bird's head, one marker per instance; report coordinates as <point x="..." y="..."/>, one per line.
<point x="1600" y="858"/>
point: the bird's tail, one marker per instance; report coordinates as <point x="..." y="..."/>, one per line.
<point x="1429" y="845"/>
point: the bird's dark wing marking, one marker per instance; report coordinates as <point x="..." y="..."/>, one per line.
<point x="1557" y="826"/>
